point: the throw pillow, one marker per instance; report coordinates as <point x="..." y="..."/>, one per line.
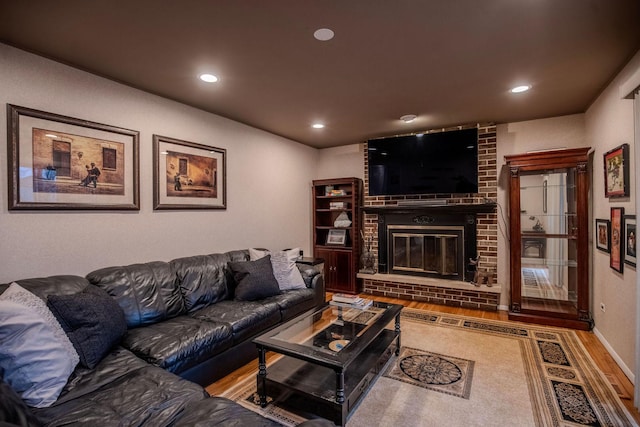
<point x="93" y="321"/>
<point x="36" y="356"/>
<point x="254" y="279"/>
<point x="284" y="267"/>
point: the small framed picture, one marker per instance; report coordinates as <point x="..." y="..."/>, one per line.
<point x="337" y="237"/>
<point x="617" y="248"/>
<point x="187" y="175"/>
<point x="630" y="240"/>
<point x="616" y="172"/>
<point x="603" y="235"/>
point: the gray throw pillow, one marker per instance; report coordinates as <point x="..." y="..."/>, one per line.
<point x="254" y="279"/>
<point x="36" y="357"/>
<point x="93" y="321"/>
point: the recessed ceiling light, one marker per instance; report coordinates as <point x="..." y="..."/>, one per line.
<point x="50" y="135"/>
<point x="317" y="126"/>
<point x="519" y="89"/>
<point x="323" y="34"/>
<point x="408" y="118"/>
<point x="209" y="78"/>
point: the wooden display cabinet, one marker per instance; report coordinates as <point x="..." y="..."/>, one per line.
<point x="339" y="246"/>
<point x="549" y="230"/>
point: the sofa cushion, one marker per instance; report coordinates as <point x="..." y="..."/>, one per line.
<point x="36" y="357"/>
<point x="122" y="390"/>
<point x="13" y="410"/>
<point x="45" y="286"/>
<point x="254" y="279"/>
<point x="179" y="343"/>
<point x="203" y="279"/>
<point x="93" y="321"/>
<point x="284" y="266"/>
<point x="294" y="302"/>
<point x="147" y="293"/>
<point x="246" y="318"/>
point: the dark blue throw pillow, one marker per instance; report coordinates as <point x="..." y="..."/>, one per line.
<point x="254" y="279"/>
<point x="93" y="321"/>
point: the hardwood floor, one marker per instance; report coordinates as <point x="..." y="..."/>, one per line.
<point x="601" y="357"/>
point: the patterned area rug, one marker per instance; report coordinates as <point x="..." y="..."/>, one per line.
<point x="437" y="372"/>
<point x="460" y="371"/>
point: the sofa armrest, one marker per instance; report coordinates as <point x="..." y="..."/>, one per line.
<point x="314" y="279"/>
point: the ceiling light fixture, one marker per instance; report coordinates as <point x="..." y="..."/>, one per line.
<point x="323" y="34"/>
<point x="520" y="89"/>
<point x="209" y="78"/>
<point x="317" y="126"/>
<point x="408" y="118"/>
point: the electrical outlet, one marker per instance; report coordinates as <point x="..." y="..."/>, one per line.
<point x="602" y="307"/>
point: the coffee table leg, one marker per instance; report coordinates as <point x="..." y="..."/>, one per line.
<point x="340" y="387"/>
<point x="397" y="329"/>
<point x="262" y="376"/>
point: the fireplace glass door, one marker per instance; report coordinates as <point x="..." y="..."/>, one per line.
<point x="429" y="251"/>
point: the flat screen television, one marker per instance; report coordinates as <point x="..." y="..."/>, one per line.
<point x="432" y="163"/>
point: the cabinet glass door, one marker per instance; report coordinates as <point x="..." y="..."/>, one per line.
<point x="548" y="233"/>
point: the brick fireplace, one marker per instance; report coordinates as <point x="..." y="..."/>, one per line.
<point x="423" y="243"/>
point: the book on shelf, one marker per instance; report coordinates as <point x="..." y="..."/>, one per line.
<point x="337" y="205"/>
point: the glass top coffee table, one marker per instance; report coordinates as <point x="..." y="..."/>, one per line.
<point x="331" y="357"/>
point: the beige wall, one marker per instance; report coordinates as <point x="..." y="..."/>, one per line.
<point x="609" y="123"/>
<point x="269" y="179"/>
<point x="340" y="162"/>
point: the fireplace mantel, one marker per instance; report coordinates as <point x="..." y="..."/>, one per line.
<point x="440" y="208"/>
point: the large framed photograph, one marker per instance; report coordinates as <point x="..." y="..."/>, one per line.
<point x="616" y="172"/>
<point x="337" y="237"/>
<point x="603" y="235"/>
<point x="617" y="249"/>
<point x="187" y="175"/>
<point x="630" y="240"/>
<point x="62" y="163"/>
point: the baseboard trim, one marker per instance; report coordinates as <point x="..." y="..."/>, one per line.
<point x="615" y="356"/>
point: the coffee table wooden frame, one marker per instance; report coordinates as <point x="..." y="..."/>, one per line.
<point x="301" y="380"/>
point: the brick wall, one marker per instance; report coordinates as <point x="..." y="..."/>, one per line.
<point x="487" y="224"/>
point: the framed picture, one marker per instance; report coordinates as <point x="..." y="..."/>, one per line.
<point x="616" y="172"/>
<point x="187" y="175"/>
<point x="630" y="240"/>
<point x="603" y="235"/>
<point x="337" y="237"/>
<point x="617" y="248"/>
<point x="62" y="163"/>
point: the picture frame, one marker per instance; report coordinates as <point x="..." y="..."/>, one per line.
<point x="630" y="237"/>
<point x="616" y="172"/>
<point x="188" y="175"/>
<point x="616" y="257"/>
<point x="603" y="235"/>
<point x="58" y="162"/>
<point x="337" y="237"/>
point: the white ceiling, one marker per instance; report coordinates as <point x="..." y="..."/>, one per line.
<point x="451" y="62"/>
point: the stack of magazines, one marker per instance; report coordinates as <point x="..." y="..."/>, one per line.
<point x="350" y="301"/>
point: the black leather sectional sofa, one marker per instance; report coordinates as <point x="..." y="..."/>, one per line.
<point x="184" y="329"/>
